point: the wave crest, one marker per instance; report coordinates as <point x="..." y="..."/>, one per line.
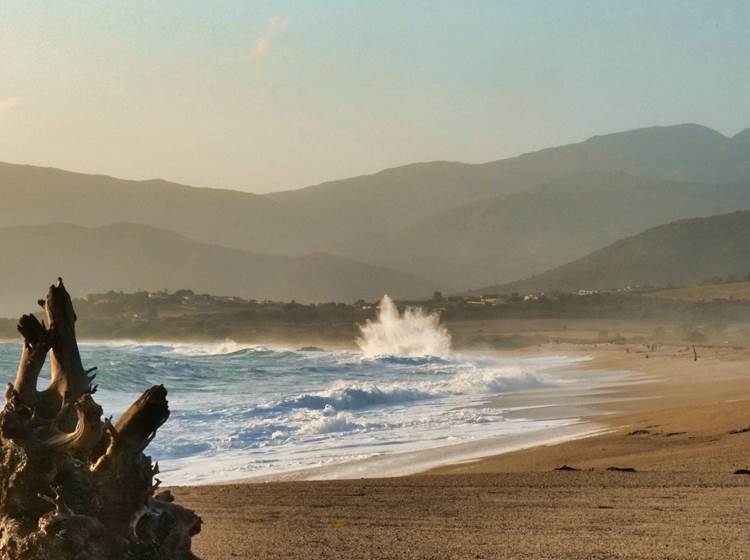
<point x="358" y="396"/>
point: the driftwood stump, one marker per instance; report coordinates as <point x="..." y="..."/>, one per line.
<point x="72" y="485"/>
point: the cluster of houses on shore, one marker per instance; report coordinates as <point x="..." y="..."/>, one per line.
<point x="508" y="299"/>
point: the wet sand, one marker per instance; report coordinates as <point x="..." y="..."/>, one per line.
<point x="683" y="500"/>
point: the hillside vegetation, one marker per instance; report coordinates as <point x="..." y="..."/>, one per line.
<point x="512" y="236"/>
<point x="680" y="253"/>
<point x="707" y="292"/>
<point x="473" y="322"/>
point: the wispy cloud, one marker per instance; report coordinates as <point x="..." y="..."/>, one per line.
<point x="275" y="26"/>
<point x="7" y="105"/>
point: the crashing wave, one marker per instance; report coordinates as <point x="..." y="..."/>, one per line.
<point x="413" y="334"/>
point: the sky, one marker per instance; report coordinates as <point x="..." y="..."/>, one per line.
<point x="266" y="96"/>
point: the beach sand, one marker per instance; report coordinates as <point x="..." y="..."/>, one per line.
<point x="682" y="501"/>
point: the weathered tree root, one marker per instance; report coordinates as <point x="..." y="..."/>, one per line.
<point x="74" y="486"/>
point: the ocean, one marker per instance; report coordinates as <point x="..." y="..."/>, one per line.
<point x="243" y="410"/>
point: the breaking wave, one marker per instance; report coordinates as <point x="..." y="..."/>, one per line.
<point x="241" y="409"/>
<point x="413" y="334"/>
<point x="361" y="395"/>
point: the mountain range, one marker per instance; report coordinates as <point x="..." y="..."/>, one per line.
<point x="129" y="257"/>
<point x="428" y="226"/>
<point x="681" y="253"/>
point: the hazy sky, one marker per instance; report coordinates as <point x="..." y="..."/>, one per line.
<point x="269" y="95"/>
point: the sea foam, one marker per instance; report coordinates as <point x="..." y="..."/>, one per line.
<point x="411" y="334"/>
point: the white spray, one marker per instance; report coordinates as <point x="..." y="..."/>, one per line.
<point x="411" y="335"/>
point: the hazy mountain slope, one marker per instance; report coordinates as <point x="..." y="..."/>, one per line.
<point x="509" y="237"/>
<point x="397" y="197"/>
<point x="35" y="195"/>
<point x="687" y="152"/>
<point x="130" y="257"/>
<point x="458" y="224"/>
<point x="326" y="217"/>
<point x="679" y="253"/>
<point x="394" y="197"/>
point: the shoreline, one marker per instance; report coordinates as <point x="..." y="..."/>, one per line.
<point x="570" y="408"/>
<point x="573" y="413"/>
<point x="546" y="410"/>
<point x="568" y="405"/>
<point x="610" y="411"/>
<point x="681" y="501"/>
<point x="414" y="463"/>
<point x="669" y="423"/>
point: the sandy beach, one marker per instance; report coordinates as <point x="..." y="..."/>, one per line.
<point x="683" y="499"/>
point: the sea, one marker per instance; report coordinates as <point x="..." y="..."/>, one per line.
<point x="248" y="410"/>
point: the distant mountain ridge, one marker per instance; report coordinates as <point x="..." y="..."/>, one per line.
<point x="458" y="225"/>
<point x="315" y="217"/>
<point x="681" y="253"/>
<point x="131" y="257"/>
<point x="38" y="196"/>
<point x="513" y="236"/>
